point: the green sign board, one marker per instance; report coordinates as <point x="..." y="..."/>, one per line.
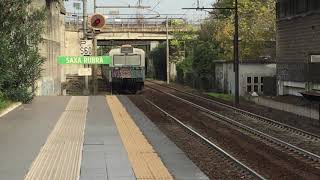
<point x="84" y="60"/>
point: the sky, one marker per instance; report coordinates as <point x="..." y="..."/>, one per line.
<point x="161" y="6"/>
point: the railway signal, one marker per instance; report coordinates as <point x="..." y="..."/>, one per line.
<point x="97" y="21"/>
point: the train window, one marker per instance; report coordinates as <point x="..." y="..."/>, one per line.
<point x="126" y="50"/>
<point x="119" y="60"/>
<point x="133" y="60"/>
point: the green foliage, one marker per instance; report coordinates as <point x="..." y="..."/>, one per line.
<point x="158" y="55"/>
<point x="204" y="54"/>
<point x="257" y="26"/>
<point x="4" y="102"/>
<point x="20" y="34"/>
<point x="226" y="97"/>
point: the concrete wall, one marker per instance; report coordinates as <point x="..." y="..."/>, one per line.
<point x="51" y="48"/>
<point x="71" y="48"/>
<point x="302" y="111"/>
<point x="294" y="88"/>
<point x="154" y="44"/>
<point x="225" y="76"/>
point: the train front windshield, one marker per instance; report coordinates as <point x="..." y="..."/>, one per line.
<point x="127" y="60"/>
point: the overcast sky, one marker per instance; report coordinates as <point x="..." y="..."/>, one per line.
<point x="161" y="6"/>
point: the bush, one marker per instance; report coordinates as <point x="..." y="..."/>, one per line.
<point x="21" y="28"/>
<point x="4" y="102"/>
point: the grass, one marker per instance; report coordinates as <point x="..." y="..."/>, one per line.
<point x="226" y="97"/>
<point x="4" y="103"/>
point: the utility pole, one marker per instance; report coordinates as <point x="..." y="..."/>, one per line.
<point x="168" y="51"/>
<point x="85" y="22"/>
<point x="235" y="44"/>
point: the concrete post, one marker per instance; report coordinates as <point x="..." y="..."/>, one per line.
<point x="85" y="21"/>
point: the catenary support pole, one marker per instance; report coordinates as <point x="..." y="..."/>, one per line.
<point x="235" y="44"/>
<point x="236" y="54"/>
<point x="94" y="67"/>
<point x="168" y="52"/>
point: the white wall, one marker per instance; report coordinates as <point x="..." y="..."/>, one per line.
<point x="294" y="88"/>
<point x="225" y="76"/>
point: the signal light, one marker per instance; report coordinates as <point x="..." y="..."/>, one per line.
<point x="97" y="21"/>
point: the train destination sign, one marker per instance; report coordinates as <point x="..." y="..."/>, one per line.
<point x="84" y="60"/>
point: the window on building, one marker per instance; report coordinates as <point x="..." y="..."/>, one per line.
<point x="292" y="7"/>
<point x="313" y="5"/>
<point x="261" y="80"/>
<point x="261" y="88"/>
<point x="249" y="80"/>
<point x="249" y="88"/>
<point x="287" y="8"/>
<point x="256" y="80"/>
<point x="284" y="6"/>
<point x="256" y="88"/>
<point x="301" y="6"/>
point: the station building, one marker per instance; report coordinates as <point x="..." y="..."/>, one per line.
<point x="298" y="46"/>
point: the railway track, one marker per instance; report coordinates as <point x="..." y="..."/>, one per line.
<point x="293" y="150"/>
<point x="269" y="121"/>
<point x="248" y="172"/>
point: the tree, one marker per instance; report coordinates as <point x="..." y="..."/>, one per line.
<point x="21" y="28"/>
<point x="158" y="56"/>
<point x="257" y="26"/>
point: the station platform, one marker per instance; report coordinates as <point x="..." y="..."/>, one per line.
<point x="88" y="138"/>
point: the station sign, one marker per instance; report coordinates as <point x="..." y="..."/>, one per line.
<point x="86" y="47"/>
<point x="84" y="60"/>
<point x="85" y="72"/>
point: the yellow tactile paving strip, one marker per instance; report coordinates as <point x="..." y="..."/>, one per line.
<point x="60" y="157"/>
<point x="145" y="162"/>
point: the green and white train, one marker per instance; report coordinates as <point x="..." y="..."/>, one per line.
<point x="126" y="71"/>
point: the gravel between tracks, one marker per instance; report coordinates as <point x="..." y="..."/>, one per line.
<point x="211" y="163"/>
<point x="304" y="123"/>
<point x="268" y="161"/>
<point x="292" y="138"/>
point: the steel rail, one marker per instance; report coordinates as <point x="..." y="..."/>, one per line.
<point x="213" y="145"/>
<point x="249" y="114"/>
<point x="268" y="138"/>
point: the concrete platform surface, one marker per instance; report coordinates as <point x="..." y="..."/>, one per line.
<point x="24" y="131"/>
<point x="91" y="140"/>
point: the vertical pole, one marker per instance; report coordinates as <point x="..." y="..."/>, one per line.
<point x="236" y="53"/>
<point x="94" y="67"/>
<point x="168" y="51"/>
<point x="85" y="21"/>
